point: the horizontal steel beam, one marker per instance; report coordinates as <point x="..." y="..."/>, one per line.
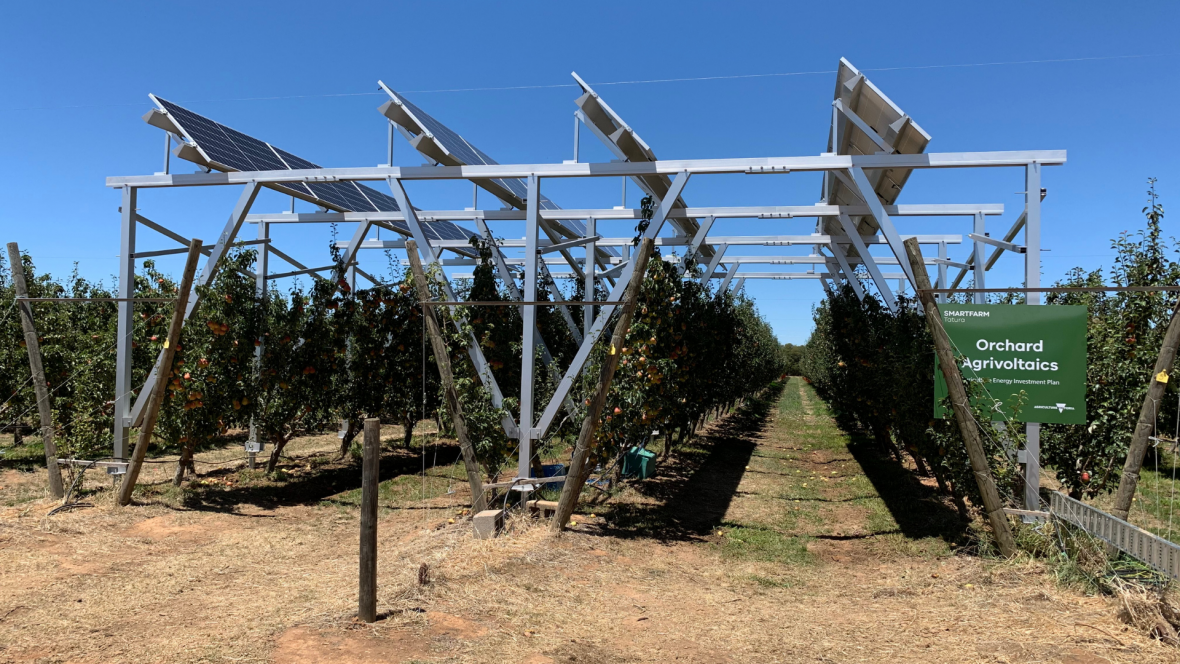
<point x="747" y="240"/>
<point x="568" y="245"/>
<point x="171" y="252"/>
<point x="718" y="275"/>
<point x="824" y="162"/>
<point x="755" y="212"/>
<point x="811" y="259"/>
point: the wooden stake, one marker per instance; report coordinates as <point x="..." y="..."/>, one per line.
<point x="962" y="409"/>
<point x="443" y="359"/>
<point x="44" y="406"/>
<point x="579" y="469"/>
<point x="1147" y="414"/>
<point x="370" y="477"/>
<point x="161" y="387"/>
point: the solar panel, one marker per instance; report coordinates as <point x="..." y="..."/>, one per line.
<point x="227" y="149"/>
<point x="626" y="144"/>
<point x="442" y="144"/>
<point x="857" y="94"/>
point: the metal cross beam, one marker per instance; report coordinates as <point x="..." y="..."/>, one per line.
<point x="823" y="162"/>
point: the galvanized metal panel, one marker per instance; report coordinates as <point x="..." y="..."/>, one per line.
<point x="1136" y="542"/>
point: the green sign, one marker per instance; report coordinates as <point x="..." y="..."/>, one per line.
<point x="1040" y="350"/>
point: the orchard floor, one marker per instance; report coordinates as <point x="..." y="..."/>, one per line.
<point x="772" y="538"/>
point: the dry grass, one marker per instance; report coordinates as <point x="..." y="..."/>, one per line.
<point x="713" y="561"/>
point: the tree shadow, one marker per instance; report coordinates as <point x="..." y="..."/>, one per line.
<point x="919" y="510"/>
<point x="314" y="486"/>
<point x="689" y="497"/>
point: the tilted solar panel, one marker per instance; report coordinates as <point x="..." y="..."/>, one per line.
<point x="892" y="126"/>
<point x="443" y="145"/>
<point x="226" y="149"/>
<point x="621" y="139"/>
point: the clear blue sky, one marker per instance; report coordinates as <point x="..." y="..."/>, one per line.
<point x="303" y="76"/>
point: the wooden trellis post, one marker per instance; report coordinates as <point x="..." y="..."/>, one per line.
<point x="160" y="387"/>
<point x="578" y="471"/>
<point x="962" y="408"/>
<point x="443" y="359"/>
<point x="44" y="408"/>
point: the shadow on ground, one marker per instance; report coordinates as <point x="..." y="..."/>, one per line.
<point x="691" y="494"/>
<point x="918" y="509"/>
<point x="313" y="486"/>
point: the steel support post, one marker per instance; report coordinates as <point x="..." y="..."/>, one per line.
<point x="577" y="137"/>
<point x="253" y="444"/>
<point x="528" y="345"/>
<point x="853" y="280"/>
<point x="718" y="252"/>
<point x="358" y="238"/>
<point x="941" y="297"/>
<point x="697" y="239"/>
<point x="728" y="277"/>
<point x="389" y="157"/>
<point x="126" y="323"/>
<point x="871" y="265"/>
<point x="225" y="241"/>
<point x="978" y="262"/>
<point x="588" y="266"/>
<point x="1032" y="279"/>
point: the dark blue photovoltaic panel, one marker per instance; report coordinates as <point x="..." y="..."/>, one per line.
<point x="383" y="202"/>
<point x="299" y="187"/>
<point x="468" y="154"/>
<point x="210" y="136"/>
<point x="260" y="154"/>
<point x="234" y="150"/>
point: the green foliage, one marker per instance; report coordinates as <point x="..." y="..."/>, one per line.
<point x="687" y="352"/>
<point x="876" y="370"/>
<point x="792" y="359"/>
<point x="1124" y="336"/>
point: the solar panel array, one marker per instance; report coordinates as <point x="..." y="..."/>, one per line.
<point x="227" y="149"/>
<point x="462" y="152"/>
<point x="467" y="154"/>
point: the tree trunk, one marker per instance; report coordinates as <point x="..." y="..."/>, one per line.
<point x="350" y="433"/>
<point x="919" y="463"/>
<point x="184" y="463"/>
<point x="962" y="407"/>
<point x="277" y="449"/>
<point x="960" y="504"/>
<point x="407" y="432"/>
<point x="1147" y="417"/>
<point x="881" y="435"/>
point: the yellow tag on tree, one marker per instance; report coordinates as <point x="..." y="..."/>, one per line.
<point x="1162" y="376"/>
<point x="612" y="349"/>
<point x="165" y="343"/>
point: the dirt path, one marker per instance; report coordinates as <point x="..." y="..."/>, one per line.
<point x="772" y="538"/>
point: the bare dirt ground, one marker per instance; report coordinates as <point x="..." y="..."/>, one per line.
<point x="771" y="538"/>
